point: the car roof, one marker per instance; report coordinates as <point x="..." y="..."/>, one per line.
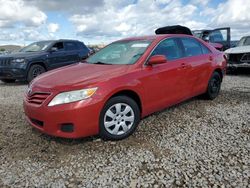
<point x="60" y="40"/>
<point x="155" y="37"/>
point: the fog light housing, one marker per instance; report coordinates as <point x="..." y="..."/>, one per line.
<point x="67" y="127"/>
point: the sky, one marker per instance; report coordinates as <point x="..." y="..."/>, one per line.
<point x="103" y="21"/>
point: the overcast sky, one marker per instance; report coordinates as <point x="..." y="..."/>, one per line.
<point x="102" y="21"/>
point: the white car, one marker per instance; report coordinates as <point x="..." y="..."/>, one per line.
<point x="239" y="56"/>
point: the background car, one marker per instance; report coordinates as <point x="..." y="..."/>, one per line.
<point x="239" y="56"/>
<point x="122" y="83"/>
<point x="220" y="36"/>
<point x="40" y="57"/>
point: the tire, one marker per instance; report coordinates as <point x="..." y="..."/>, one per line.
<point x="8" y="80"/>
<point x="34" y="71"/>
<point x="214" y="85"/>
<point x="117" y="124"/>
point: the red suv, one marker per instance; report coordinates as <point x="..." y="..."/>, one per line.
<point x="129" y="79"/>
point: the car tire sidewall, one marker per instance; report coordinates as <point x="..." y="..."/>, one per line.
<point x="118" y="99"/>
<point x="211" y="95"/>
<point x="30" y="76"/>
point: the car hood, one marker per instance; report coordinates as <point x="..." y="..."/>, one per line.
<point x="77" y="76"/>
<point x="22" y="54"/>
<point x="238" y="50"/>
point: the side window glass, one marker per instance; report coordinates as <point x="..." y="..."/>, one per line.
<point x="168" y="48"/>
<point x="247" y="41"/>
<point x="191" y="47"/>
<point x="71" y="46"/>
<point x="59" y="45"/>
<point x="205" y="50"/>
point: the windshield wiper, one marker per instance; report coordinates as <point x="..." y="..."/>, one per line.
<point x="136" y="55"/>
<point x="102" y="63"/>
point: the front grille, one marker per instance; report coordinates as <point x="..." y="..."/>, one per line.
<point x="37" y="98"/>
<point x="5" y="61"/>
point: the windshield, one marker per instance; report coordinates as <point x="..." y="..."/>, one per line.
<point x="120" y="53"/>
<point x="36" y="46"/>
<point x="245" y="41"/>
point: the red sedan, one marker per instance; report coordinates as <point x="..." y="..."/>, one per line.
<point x="129" y="79"/>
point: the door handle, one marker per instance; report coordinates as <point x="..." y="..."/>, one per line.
<point x="210" y="58"/>
<point x="183" y="65"/>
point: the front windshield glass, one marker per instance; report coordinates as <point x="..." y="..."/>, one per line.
<point x="244" y="41"/>
<point x="36" y="46"/>
<point x="120" y="53"/>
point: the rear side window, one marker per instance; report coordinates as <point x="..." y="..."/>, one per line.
<point x="71" y="46"/>
<point x="205" y="49"/>
<point x="169" y="48"/>
<point x="192" y="47"/>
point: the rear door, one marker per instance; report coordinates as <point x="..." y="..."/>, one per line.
<point x="165" y="84"/>
<point x="221" y="36"/>
<point x="198" y="58"/>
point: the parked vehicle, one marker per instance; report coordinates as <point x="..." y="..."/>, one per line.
<point x="239" y="57"/>
<point x="40" y="57"/>
<point x="219" y="38"/>
<point x="127" y="80"/>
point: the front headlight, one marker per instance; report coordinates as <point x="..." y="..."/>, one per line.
<point x="18" y="60"/>
<point x="72" y="96"/>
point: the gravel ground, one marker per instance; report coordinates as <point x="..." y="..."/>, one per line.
<point x="197" y="143"/>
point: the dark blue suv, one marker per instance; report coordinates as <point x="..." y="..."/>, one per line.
<point x="40" y="57"/>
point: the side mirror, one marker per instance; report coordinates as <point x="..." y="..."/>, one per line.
<point x="157" y="59"/>
<point x="54" y="49"/>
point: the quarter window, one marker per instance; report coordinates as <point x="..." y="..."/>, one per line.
<point x="169" y="49"/>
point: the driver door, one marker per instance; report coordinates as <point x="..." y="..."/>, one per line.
<point x="165" y="84"/>
<point x="59" y="57"/>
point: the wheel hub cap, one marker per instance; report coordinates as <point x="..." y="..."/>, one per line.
<point x="119" y="118"/>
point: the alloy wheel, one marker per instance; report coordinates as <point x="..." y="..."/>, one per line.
<point x="37" y="71"/>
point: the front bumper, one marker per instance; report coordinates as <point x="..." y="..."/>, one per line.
<point x="83" y="115"/>
<point x="12" y="73"/>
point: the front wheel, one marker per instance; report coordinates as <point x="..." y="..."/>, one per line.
<point x="119" y="118"/>
<point x="214" y="85"/>
<point x="34" y="71"/>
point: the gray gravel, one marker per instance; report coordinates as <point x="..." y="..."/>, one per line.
<point x="197" y="143"/>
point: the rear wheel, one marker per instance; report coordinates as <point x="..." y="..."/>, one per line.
<point x="8" y="80"/>
<point x="119" y="118"/>
<point x="34" y="71"/>
<point x="214" y="85"/>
